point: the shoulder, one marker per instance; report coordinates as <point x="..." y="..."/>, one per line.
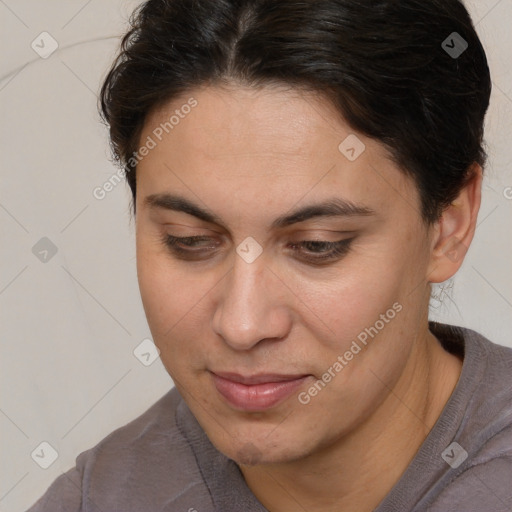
<point x="485" y="424"/>
<point x="487" y="367"/>
<point x="484" y="483"/>
<point x="147" y="462"/>
<point x="156" y="423"/>
<point x="140" y="466"/>
<point x="481" y="412"/>
<point x="491" y="401"/>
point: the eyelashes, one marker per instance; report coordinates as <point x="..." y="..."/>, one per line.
<point x="195" y="248"/>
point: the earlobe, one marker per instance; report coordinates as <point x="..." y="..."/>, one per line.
<point x="455" y="229"/>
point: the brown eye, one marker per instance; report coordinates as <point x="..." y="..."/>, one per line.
<point x="320" y="251"/>
<point x="188" y="241"/>
<point x="189" y="246"/>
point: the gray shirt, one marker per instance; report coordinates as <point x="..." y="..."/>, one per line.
<point x="163" y="460"/>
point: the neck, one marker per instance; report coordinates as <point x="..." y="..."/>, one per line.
<point x="358" y="471"/>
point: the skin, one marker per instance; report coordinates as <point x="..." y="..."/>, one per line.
<point x="249" y="156"/>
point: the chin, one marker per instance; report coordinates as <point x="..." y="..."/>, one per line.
<point x="249" y="455"/>
<point x="250" y="450"/>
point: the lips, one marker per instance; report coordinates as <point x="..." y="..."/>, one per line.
<point x="262" y="378"/>
<point x="256" y="392"/>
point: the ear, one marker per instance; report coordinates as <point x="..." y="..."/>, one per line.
<point x="453" y="232"/>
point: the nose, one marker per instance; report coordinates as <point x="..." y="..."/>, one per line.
<point x="251" y="306"/>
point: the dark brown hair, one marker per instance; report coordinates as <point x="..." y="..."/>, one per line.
<point x="383" y="64"/>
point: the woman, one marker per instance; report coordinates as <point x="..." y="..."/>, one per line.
<point x="302" y="172"/>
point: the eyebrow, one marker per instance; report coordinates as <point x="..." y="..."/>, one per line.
<point x="333" y="207"/>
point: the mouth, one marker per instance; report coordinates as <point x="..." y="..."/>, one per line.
<point x="256" y="393"/>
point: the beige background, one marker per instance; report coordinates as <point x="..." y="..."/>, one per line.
<point x="69" y="326"/>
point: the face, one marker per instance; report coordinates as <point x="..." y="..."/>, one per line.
<point x="256" y="304"/>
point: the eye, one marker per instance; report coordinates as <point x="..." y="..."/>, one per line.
<point x="320" y="251"/>
<point x="188" y="245"/>
<point x="316" y="251"/>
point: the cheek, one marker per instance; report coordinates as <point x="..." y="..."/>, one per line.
<point x="177" y="304"/>
<point x="349" y="305"/>
<point x="349" y="309"/>
<point x="168" y="294"/>
<point x="351" y="297"/>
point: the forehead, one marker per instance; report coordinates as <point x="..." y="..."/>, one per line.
<point x="270" y="142"/>
<point x="273" y="120"/>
